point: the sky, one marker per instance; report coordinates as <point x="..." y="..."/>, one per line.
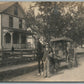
<point x="41" y="0"/>
<point x="25" y="5"/>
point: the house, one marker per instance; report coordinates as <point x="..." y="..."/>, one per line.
<point x="32" y="39"/>
<point x="13" y="31"/>
<point x="31" y="42"/>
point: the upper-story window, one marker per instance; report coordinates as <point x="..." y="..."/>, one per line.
<point x="20" y="23"/>
<point x="10" y="21"/>
<point x="15" y="11"/>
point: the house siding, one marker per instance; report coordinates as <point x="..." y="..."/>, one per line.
<point x="23" y="24"/>
<point x="15" y="22"/>
<point x="5" y="20"/>
<point x="10" y="11"/>
<point x="0" y="33"/>
<point x="20" y="13"/>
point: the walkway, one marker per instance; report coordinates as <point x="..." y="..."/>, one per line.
<point x="64" y="75"/>
<point x="15" y="70"/>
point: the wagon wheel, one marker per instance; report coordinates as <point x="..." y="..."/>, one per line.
<point x="70" y="63"/>
<point x="57" y="65"/>
<point x="51" y="68"/>
<point x="76" y="61"/>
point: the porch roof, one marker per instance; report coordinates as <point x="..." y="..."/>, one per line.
<point x="19" y="30"/>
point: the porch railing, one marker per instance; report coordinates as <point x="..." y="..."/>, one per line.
<point x="16" y="46"/>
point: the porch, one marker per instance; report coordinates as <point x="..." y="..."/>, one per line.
<point x="15" y="39"/>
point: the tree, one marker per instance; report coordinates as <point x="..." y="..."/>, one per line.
<point x="51" y="18"/>
<point x="76" y="25"/>
<point x="58" y="19"/>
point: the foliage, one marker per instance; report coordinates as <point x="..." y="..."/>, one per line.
<point x="58" y="19"/>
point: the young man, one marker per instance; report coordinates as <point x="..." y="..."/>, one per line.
<point x="39" y="55"/>
<point x="46" y="62"/>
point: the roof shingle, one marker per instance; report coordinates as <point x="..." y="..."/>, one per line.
<point x="6" y="5"/>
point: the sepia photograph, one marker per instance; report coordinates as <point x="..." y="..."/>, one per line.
<point x="41" y="41"/>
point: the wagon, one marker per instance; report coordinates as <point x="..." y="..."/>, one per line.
<point x="63" y="52"/>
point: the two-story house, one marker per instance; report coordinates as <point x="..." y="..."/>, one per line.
<point x="13" y="31"/>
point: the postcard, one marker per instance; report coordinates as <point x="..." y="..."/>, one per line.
<point x="41" y="41"/>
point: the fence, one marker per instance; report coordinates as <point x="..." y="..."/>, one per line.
<point x="7" y="57"/>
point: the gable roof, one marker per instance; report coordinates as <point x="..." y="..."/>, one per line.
<point x="6" y="5"/>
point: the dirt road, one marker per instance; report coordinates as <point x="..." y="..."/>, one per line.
<point x="73" y="74"/>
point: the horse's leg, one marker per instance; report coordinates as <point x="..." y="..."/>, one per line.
<point x="42" y="65"/>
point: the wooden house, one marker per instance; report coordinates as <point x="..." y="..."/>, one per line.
<point x="13" y="30"/>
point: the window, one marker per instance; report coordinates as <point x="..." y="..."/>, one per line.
<point x="7" y="38"/>
<point x="15" y="11"/>
<point x="15" y="38"/>
<point x="20" y="23"/>
<point x="23" y="40"/>
<point x="10" y="21"/>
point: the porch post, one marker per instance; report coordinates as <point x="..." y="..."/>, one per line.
<point x="19" y="40"/>
<point x="11" y="33"/>
<point x="26" y="42"/>
<point x="4" y="40"/>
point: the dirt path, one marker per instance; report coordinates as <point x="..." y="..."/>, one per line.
<point x="73" y="74"/>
